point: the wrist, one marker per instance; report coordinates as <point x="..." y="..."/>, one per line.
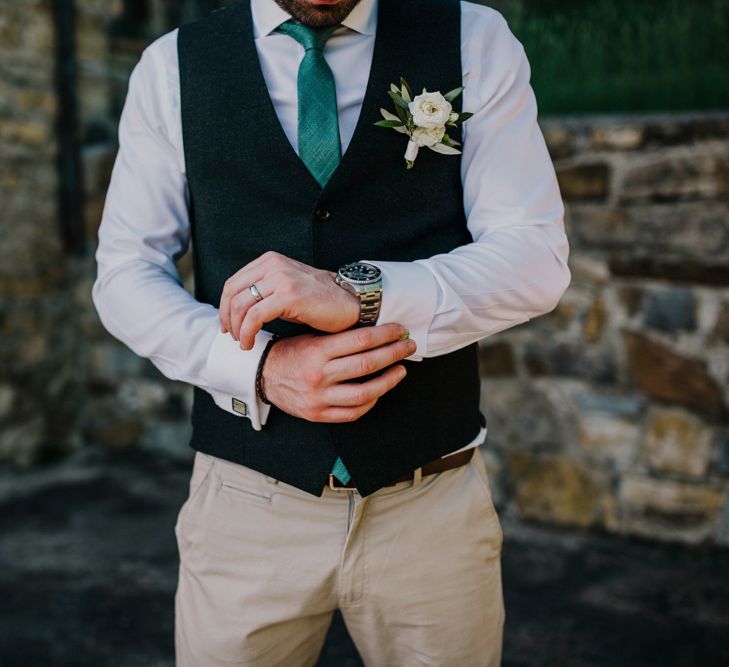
<point x="260" y="371"/>
<point x="362" y="282"/>
<point x="353" y="309"/>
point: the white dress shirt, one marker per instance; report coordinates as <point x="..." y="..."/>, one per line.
<point x="515" y="268"/>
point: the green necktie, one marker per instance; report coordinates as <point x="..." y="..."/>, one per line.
<point x="318" y="126"/>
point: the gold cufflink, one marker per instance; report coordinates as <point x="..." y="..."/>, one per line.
<point x="240" y="407"/>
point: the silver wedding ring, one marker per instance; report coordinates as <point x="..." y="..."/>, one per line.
<point x="254" y="291"/>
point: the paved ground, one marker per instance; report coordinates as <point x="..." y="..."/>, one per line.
<point x="88" y="567"/>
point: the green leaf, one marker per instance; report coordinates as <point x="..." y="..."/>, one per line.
<point x="387" y="115"/>
<point x="445" y="150"/>
<point x="401" y="107"/>
<point x="394" y="88"/>
<point x="465" y="115"/>
<point x="452" y="94"/>
<point x="389" y="123"/>
<point x="398" y="99"/>
<point x="407" y="94"/>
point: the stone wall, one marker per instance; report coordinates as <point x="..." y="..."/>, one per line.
<point x="39" y="352"/>
<point x="609" y="413"/>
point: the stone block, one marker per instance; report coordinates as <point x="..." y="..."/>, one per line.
<point x="584" y="182"/>
<point x="670" y="310"/>
<point x="621" y="405"/>
<point x="609" y="440"/>
<point x="520" y="416"/>
<point x="108" y="425"/>
<point x="168" y="439"/>
<point x="43" y="101"/>
<point x="98" y="161"/>
<point x="31" y="132"/>
<point x="673" y="129"/>
<point x="21" y="444"/>
<point x="496" y="359"/>
<point x="682" y="231"/>
<point x="632" y="297"/>
<point x="720" y="464"/>
<point x="554" y="490"/>
<point x="669" y="510"/>
<point x="721" y="330"/>
<point x="570" y="359"/>
<point x="676" y="270"/>
<point x="694" y="175"/>
<point x="38" y="30"/>
<point x="617" y="137"/>
<point x="110" y="363"/>
<point x="92" y="212"/>
<point x="677" y="443"/>
<point x="7" y="400"/>
<point x="558" y="139"/>
<point x="590" y="270"/>
<point x="722" y="532"/>
<point x="140" y="396"/>
<point x="666" y="375"/>
<point x="595" y="320"/>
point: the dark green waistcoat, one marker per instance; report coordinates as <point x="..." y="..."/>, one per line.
<point x="250" y="192"/>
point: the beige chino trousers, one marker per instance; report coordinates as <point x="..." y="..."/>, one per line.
<point x="415" y="569"/>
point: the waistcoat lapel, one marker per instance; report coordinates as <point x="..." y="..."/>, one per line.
<point x="251" y="98"/>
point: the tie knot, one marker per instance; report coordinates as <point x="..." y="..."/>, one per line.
<point x="308" y="37"/>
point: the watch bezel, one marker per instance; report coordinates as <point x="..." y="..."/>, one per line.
<point x="359" y="281"/>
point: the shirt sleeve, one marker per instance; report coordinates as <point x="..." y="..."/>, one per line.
<point x="516" y="267"/>
<point x="138" y="292"/>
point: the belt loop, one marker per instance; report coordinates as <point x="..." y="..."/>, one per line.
<point x="417" y="476"/>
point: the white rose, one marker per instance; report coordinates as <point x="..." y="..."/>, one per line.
<point x="430" y="109"/>
<point x="428" y="136"/>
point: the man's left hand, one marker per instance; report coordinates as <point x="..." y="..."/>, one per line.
<point x="292" y="291"/>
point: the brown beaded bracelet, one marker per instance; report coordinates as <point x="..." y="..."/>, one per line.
<point x="259" y="370"/>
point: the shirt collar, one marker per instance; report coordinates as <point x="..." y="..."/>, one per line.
<point x="268" y="15"/>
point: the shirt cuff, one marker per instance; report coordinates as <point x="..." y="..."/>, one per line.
<point x="231" y="375"/>
<point x="409" y="297"/>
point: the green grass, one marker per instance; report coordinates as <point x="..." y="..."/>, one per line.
<point x="624" y="55"/>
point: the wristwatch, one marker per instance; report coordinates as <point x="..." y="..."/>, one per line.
<point x="364" y="280"/>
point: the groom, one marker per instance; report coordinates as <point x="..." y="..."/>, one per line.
<point x="332" y="336"/>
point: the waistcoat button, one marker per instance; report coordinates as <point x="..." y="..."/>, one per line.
<point x="322" y="214"/>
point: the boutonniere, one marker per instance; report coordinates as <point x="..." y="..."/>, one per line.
<point x="425" y="118"/>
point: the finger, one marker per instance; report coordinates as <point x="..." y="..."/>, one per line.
<point x="357" y="340"/>
<point x="243" y="302"/>
<point x="243" y="278"/>
<point x="340" y="415"/>
<point x="363" y="363"/>
<point x="352" y="394"/>
<point x="270" y="257"/>
<point x="236" y="285"/>
<point x="260" y="313"/>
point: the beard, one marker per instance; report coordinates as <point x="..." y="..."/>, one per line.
<point x="315" y="15"/>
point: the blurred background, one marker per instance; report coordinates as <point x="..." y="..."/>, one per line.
<point x="608" y="444"/>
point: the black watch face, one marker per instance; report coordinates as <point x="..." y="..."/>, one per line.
<point x="360" y="272"/>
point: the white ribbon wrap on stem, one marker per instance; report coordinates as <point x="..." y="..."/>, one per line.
<point x="411" y="152"/>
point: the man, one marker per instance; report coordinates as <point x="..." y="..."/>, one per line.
<point x="339" y="299"/>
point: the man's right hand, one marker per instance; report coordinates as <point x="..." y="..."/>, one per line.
<point x="306" y="375"/>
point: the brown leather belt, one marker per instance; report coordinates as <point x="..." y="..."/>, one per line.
<point x="439" y="465"/>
